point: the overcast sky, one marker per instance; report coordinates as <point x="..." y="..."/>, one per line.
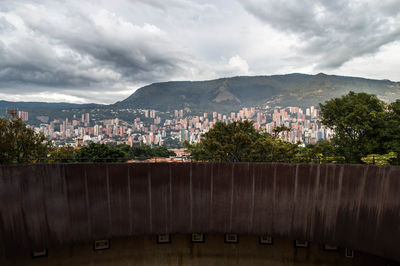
<point x="102" y="51"/>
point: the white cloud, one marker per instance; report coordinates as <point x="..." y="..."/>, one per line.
<point x="240" y="64"/>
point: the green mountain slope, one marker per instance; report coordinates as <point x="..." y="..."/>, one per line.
<point x="229" y="94"/>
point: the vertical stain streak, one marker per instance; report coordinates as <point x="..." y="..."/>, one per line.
<point x="293" y="204"/>
<point x="129" y="201"/>
<point x="273" y="198"/>
<point x="191" y="196"/>
<point x="68" y="205"/>
<point x="231" y="204"/>
<point x="306" y="224"/>
<point x="384" y="190"/>
<point x="315" y="200"/>
<point x="168" y="202"/>
<point x="361" y="193"/>
<point x="211" y="196"/>
<point x="108" y="200"/>
<point x="339" y="197"/>
<point x="46" y="235"/>
<point x="325" y="209"/>
<point x="87" y="202"/>
<point x="2" y="237"/>
<point x="23" y="211"/>
<point x="150" y="207"/>
<point x="250" y="229"/>
<point x="65" y="191"/>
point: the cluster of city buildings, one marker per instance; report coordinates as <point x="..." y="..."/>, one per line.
<point x="153" y="127"/>
<point x="23" y="115"/>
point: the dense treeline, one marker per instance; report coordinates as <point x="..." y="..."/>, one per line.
<point x="20" y="144"/>
<point x="107" y="153"/>
<point x="365" y="127"/>
<point x="367" y="130"/>
<point x="241" y="142"/>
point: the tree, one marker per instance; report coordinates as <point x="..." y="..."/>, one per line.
<point x="390" y="134"/>
<point x="380" y="159"/>
<point x="358" y="121"/>
<point x="240" y="142"/>
<point x="321" y="152"/>
<point x="269" y="148"/>
<point x="143" y="152"/>
<point x="226" y="142"/>
<point x="64" y="154"/>
<point x="280" y="129"/>
<point x="100" y="153"/>
<point x="20" y="144"/>
<point x="161" y="151"/>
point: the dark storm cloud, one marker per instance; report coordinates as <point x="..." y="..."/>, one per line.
<point x="37" y="64"/>
<point x="334" y="31"/>
<point x="76" y="50"/>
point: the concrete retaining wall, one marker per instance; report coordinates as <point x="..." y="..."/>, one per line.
<point x="354" y="206"/>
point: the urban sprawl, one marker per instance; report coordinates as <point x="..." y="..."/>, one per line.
<point x="153" y="127"/>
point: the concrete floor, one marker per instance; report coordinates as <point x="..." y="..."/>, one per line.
<point x="143" y="250"/>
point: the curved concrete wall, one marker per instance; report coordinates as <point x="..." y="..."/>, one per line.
<point x="354" y="206"/>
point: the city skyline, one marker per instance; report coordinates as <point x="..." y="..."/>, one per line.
<point x="172" y="129"/>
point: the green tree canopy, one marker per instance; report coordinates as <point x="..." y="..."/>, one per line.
<point x="380" y="159"/>
<point x="268" y="148"/>
<point x="321" y="152"/>
<point x="20" y="144"/>
<point x="161" y="151"/>
<point x="63" y="154"/>
<point x="107" y="153"/>
<point x="143" y="152"/>
<point x="358" y="122"/>
<point x="240" y="142"/>
<point x="390" y="133"/>
<point x="95" y="152"/>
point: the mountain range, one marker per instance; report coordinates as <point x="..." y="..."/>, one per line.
<point x="229" y="94"/>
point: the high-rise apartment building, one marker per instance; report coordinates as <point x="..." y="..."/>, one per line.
<point x="23" y="115"/>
